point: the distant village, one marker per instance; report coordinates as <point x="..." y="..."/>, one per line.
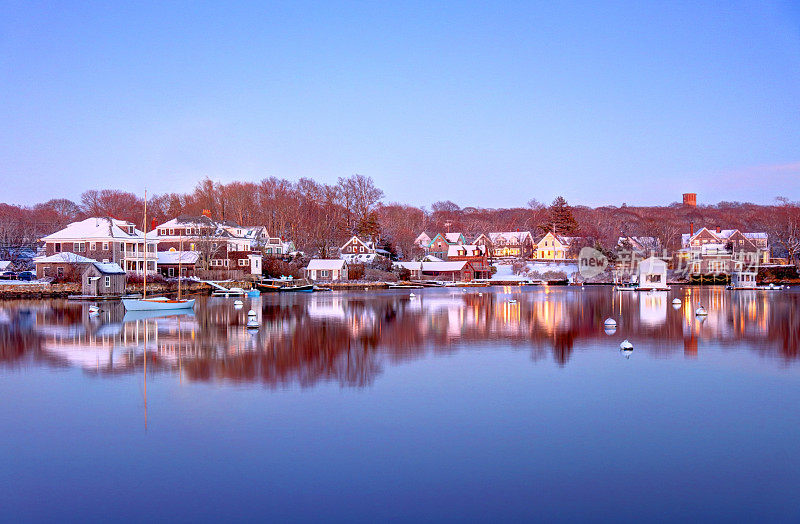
<point x="102" y="250"/>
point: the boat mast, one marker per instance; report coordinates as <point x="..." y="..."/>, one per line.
<point x="144" y="285"/>
<point x="180" y="261"/>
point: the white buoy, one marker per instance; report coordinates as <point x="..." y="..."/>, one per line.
<point x="676" y="302"/>
<point x="626" y="345"/>
<point x="700" y="311"/>
<point x="238" y="304"/>
<point x="610" y="322"/>
<point x="252" y="319"/>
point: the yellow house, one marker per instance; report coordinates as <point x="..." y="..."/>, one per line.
<point x="552" y="247"/>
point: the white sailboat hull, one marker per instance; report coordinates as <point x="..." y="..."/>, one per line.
<point x="156" y="304"/>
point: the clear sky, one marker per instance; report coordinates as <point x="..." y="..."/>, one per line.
<point x="487" y="104"/>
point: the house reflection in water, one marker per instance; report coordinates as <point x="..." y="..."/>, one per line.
<point x="350" y="337"/>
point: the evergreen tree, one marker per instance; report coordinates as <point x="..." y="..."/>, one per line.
<point x="560" y="218"/>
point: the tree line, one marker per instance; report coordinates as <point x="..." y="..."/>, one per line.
<point x="318" y="217"/>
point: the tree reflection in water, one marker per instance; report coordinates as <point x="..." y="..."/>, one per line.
<point x="349" y="337"/>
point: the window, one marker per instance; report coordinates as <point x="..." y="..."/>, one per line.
<point x="105" y="261"/>
<point x="105" y="246"/>
<point x="361" y="249"/>
<point x="324" y="273"/>
<point x="171" y="272"/>
<point x="60" y="271"/>
<point x="93" y="246"/>
<point x="171" y="232"/>
<point x="227" y="262"/>
<point x="191" y="247"/>
<point x="108" y="281"/>
<point x="45" y="271"/>
<point x="242" y="261"/>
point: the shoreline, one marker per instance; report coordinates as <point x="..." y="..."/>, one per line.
<point x="40" y="290"/>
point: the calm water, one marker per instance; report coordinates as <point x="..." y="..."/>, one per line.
<point x="482" y="405"/>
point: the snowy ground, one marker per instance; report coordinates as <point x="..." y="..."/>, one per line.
<point x="505" y="272"/>
<point x="19" y="282"/>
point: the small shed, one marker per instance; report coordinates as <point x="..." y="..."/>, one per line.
<point x="653" y="274"/>
<point x="322" y="270"/>
<point x="64" y="265"/>
<point x="103" y="279"/>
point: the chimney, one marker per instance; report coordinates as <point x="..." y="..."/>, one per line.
<point x="719" y="230"/>
<point x="691" y="228"/>
<point x="207" y="213"/>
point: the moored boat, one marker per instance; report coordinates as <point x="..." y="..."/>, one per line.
<point x="156" y="304"/>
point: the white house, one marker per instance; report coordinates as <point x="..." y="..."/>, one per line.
<point x="653" y="274"/>
<point x="327" y="269"/>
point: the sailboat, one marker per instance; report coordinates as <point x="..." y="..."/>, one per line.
<point x="155" y="303"/>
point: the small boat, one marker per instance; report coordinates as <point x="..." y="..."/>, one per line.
<point x="626" y="286"/>
<point x="405" y="286"/>
<point x="306" y="288"/>
<point x="232" y="292"/>
<point x="534" y="282"/>
<point x="267" y="288"/>
<point x="156" y="304"/>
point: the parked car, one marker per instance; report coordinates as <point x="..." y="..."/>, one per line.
<point x="8" y="275"/>
<point x="26" y="276"/>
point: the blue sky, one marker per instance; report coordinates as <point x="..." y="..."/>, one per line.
<point x="487" y="104"/>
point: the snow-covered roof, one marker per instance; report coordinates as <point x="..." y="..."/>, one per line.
<point x="359" y="258"/>
<point x="326" y="264"/>
<point x="468" y="250"/>
<point x="96" y="228"/>
<point x="509" y="236"/>
<point x="423" y="238"/>
<point x="431" y="258"/>
<point x="4" y="264"/>
<point x="109" y="268"/>
<point x="176" y="257"/>
<point x="565" y="241"/>
<point x="368" y="244"/>
<point x="724" y="234"/>
<point x="452" y="237"/>
<point x="433" y="266"/>
<point x="652" y="265"/>
<point x="65" y="257"/>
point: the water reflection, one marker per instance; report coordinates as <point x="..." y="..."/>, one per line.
<point x="350" y="337"/>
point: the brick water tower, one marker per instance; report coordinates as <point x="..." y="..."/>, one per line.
<point x="690" y="199"/>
